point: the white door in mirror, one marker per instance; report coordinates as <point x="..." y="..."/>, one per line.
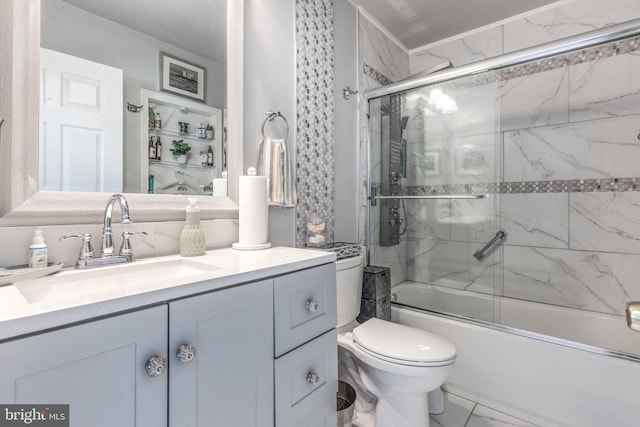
<point x="80" y="124"/>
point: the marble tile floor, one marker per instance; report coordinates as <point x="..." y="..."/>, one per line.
<point x="460" y="412"/>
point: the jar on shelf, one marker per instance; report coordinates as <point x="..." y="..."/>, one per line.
<point x="316" y="232"/>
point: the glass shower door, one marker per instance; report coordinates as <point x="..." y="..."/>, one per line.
<point x="433" y="149"/>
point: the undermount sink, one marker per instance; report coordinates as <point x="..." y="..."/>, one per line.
<point x="85" y="286"/>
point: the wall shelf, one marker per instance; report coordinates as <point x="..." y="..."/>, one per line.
<point x="172" y="111"/>
<point x="176" y="135"/>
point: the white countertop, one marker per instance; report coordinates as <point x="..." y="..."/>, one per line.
<point x="229" y="267"/>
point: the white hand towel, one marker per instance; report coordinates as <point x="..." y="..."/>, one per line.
<point x="273" y="162"/>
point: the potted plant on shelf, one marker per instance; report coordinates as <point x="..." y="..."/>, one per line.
<point x="180" y="150"/>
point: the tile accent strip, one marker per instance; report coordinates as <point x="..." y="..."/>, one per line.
<point x="376" y="75"/>
<point x="524" y="187"/>
<point x="315" y="115"/>
<point x="586" y="55"/>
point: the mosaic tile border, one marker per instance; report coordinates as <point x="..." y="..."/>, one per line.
<point x="315" y="115"/>
<point x="376" y="75"/>
<point x="525" y="187"/>
<point x="606" y="50"/>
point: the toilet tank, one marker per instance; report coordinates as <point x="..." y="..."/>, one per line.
<point x="349" y="288"/>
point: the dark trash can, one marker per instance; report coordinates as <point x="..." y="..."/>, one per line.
<point x="346" y="399"/>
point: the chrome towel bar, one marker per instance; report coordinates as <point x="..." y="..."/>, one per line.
<point x="373" y="198"/>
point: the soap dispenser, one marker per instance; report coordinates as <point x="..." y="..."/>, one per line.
<point x="37" y="251"/>
<point x="192" y="240"/>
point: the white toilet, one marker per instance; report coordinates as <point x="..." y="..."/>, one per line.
<point x="397" y="364"/>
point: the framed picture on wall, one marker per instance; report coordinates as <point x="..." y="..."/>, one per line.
<point x="431" y="163"/>
<point x="182" y="78"/>
<point x="471" y="161"/>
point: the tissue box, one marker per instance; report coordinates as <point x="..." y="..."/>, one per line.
<point x="379" y="309"/>
<point x="376" y="293"/>
<point x="376" y="284"/>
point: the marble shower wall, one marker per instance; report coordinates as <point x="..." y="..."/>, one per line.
<point x="566" y="171"/>
<point x="381" y="62"/>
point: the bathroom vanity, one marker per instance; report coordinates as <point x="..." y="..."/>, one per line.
<point x="231" y="339"/>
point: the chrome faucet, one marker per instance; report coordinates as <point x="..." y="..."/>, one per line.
<point x="107" y="236"/>
<point x="86" y="258"/>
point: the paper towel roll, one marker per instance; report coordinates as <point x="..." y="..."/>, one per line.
<point x="219" y="186"/>
<point x="253" y="206"/>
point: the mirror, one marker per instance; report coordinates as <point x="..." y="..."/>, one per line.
<point x="95" y="51"/>
<point x="22" y="203"/>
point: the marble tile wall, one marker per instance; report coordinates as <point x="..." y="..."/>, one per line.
<point x="564" y="171"/>
<point x="555" y="143"/>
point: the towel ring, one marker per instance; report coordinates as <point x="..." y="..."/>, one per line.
<point x="270" y="116"/>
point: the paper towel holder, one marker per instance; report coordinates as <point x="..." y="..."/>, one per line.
<point x="244" y="246"/>
<point x="270" y="117"/>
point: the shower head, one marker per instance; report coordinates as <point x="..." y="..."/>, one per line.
<point x="403" y="122"/>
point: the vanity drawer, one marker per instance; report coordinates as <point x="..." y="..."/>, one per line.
<point x="305" y="379"/>
<point x="304" y="306"/>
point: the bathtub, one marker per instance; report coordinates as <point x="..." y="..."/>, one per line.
<point x="586" y="329"/>
<point x="545" y="380"/>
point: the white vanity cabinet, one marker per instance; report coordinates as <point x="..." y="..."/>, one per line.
<point x="306" y="366"/>
<point x="260" y="354"/>
<point x="98" y="368"/>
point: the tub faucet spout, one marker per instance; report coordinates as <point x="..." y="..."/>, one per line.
<point x="107" y="235"/>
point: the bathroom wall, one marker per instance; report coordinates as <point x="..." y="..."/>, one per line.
<point x="346" y="146"/>
<point x="289" y="68"/>
<point x="269" y="85"/>
<point x="279" y="64"/>
<point x="569" y="168"/>
<point x="71" y="30"/>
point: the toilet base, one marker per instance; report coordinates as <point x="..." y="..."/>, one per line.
<point x="436" y="401"/>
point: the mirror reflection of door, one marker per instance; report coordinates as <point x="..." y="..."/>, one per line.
<point x="81" y="108"/>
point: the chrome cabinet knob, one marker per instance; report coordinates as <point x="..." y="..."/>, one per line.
<point x="156" y="366"/>
<point x="311" y="305"/>
<point x="186" y="353"/>
<point x="313" y="378"/>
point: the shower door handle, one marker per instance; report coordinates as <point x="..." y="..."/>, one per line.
<point x="499" y="237"/>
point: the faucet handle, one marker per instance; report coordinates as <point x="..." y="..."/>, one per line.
<point x="126" y="249"/>
<point x="86" y="251"/>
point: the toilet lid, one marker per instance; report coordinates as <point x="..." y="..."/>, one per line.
<point x="403" y="343"/>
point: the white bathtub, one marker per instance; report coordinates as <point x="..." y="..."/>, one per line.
<point x="584" y="327"/>
<point x="546" y="383"/>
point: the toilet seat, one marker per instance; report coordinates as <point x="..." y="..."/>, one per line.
<point x="403" y="344"/>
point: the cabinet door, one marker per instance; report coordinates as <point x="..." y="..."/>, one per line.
<point x="98" y="368"/>
<point x="229" y="381"/>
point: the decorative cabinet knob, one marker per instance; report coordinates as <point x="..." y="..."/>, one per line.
<point x="156" y="366"/>
<point x="311" y="305"/>
<point x="313" y="378"/>
<point x="186" y="353"/>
